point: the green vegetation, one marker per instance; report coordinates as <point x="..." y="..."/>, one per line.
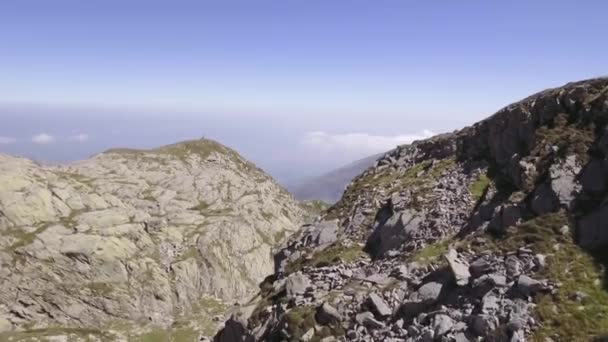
<point x="419" y="178"/>
<point x="190" y="253"/>
<point x="299" y="320"/>
<point x="100" y="288"/>
<point x="24" y="238"/>
<point x="431" y="252"/>
<point x="329" y="256"/>
<point x="73" y="334"/>
<point x="562" y="318"/>
<point x="201" y="206"/>
<point x="212" y="306"/>
<point x="147" y="195"/>
<point x="267" y="216"/>
<point x="479" y="186"/>
<point x="279" y="236"/>
<point x="302" y="318"/>
<point x="569" y="138"/>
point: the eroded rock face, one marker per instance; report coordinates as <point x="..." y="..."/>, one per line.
<point x="136" y="236"/>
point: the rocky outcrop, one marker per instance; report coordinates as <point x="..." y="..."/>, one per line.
<point x="131" y="238"/>
<point x="466" y="236"/>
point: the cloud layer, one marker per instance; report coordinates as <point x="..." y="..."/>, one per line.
<point x="43" y="139"/>
<point x="358" y="144"/>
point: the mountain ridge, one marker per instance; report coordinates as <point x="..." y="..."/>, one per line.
<point x="152" y="243"/>
<point x="488" y="233"/>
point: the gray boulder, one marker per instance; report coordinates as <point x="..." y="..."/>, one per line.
<point x="393" y="232"/>
<point x="367" y="319"/>
<point x="296" y="284"/>
<point x="528" y="286"/>
<point x="325" y="233"/>
<point x="327" y="314"/>
<point x="379" y="306"/>
<point x="459" y="267"/>
<point x="442" y="324"/>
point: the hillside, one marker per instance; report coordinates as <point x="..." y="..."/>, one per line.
<point x="138" y="245"/>
<point x="491" y="233"/>
<point x="330" y="186"/>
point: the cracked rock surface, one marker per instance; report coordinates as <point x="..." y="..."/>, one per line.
<point x="174" y="235"/>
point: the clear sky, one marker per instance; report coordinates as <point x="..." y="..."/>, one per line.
<point x="299" y="87"/>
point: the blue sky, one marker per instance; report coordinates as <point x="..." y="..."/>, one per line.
<point x="299" y="87"/>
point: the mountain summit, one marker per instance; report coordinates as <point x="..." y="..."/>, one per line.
<point x="151" y="243"/>
<point x="490" y="233"/>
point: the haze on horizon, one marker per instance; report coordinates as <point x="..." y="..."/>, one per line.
<point x="297" y="87"/>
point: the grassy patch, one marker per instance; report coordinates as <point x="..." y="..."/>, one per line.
<point x="479" y="186"/>
<point x="156" y="335"/>
<point x="299" y="320"/>
<point x="100" y="288"/>
<point x="332" y="255"/>
<point x="73" y="334"/>
<point x="212" y="306"/>
<point x="190" y="253"/>
<point x="419" y="178"/>
<point x="24" y="238"/>
<point x="279" y="236"/>
<point x="201" y="206"/>
<point x="570" y="138"/>
<point x="431" y="252"/>
<point x="561" y="317"/>
<point x="302" y="318"/>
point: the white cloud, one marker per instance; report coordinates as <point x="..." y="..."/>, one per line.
<point x="358" y="144"/>
<point x="79" y="137"/>
<point x="7" y="140"/>
<point x="43" y="139"/>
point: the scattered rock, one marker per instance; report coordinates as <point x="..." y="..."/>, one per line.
<point x="327" y="314"/>
<point x="296" y="284"/>
<point x="459" y="267"/>
<point x="379" y="306"/>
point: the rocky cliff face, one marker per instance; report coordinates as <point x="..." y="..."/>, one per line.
<point x="133" y="242"/>
<point x="468" y="236"/>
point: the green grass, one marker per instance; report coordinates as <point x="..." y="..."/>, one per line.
<point x="24" y="238"/>
<point x="156" y="335"/>
<point x="561" y="318"/>
<point x="330" y="256"/>
<point x="74" y="334"/>
<point x="419" y="178"/>
<point x="302" y="318"/>
<point x="100" y="288"/>
<point x="190" y="253"/>
<point x="479" y="186"/>
<point x="201" y="206"/>
<point x="431" y="252"/>
<point x="299" y="320"/>
<point x="279" y="236"/>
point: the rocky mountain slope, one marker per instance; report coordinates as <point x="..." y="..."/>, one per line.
<point x="491" y="233"/>
<point x="140" y="245"/>
<point x="330" y="186"/>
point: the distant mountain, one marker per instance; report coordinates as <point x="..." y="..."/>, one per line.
<point x="330" y="186"/>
